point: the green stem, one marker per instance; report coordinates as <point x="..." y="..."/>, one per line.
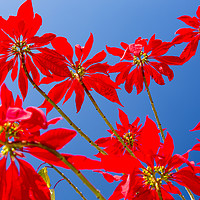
<point x="104" y="118"/>
<point x="157" y="186"/>
<point x="73" y="186"/>
<point x="182" y="197"/>
<point x="158" y="121"/>
<point x="59" y="109"/>
<point x="190" y="194"/>
<point x="159" y="193"/>
<point x="19" y="145"/>
<point x="152" y="103"/>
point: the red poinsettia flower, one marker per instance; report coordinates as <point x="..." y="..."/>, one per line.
<point x="17" y="40"/>
<point x="130" y="133"/>
<point x="139" y="55"/>
<point x="18" y="127"/>
<point x="191" y="35"/>
<point x="196" y="147"/>
<point x="155" y="173"/>
<point x="22" y="183"/>
<point x="91" y="72"/>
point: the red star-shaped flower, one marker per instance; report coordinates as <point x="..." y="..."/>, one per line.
<point x="190" y="35"/>
<point x="18" y="43"/>
<point x="155" y="173"/>
<point x="91" y="72"/>
<point x="139" y="55"/>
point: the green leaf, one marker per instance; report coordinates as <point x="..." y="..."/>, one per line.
<point x="52" y="192"/>
<point x="44" y="174"/>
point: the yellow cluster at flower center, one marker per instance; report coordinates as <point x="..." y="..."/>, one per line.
<point x="10" y="130"/>
<point x="154" y="177"/>
<point x="20" y="47"/>
<point x="80" y="71"/>
<point x="129" y="138"/>
<point x="141" y="60"/>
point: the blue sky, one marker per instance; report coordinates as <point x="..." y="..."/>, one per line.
<point x="112" y="22"/>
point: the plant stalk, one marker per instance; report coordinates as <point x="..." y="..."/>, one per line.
<point x="104" y="118"/>
<point x="65" y="178"/>
<point x="19" y="145"/>
<point x="58" y="108"/>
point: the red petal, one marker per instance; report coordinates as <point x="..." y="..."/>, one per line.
<point x="6" y="97"/>
<point x="120" y="164"/>
<point x="62" y="46"/>
<point x="115" y="51"/>
<point x="187" y="177"/>
<point x="13" y="183"/>
<point x="17" y="114"/>
<point x="135" y="49"/>
<point x="14" y="70"/>
<point x="82" y="162"/>
<point x="2" y="177"/>
<point x="79" y="95"/>
<point x="196" y="147"/>
<point x="122" y="76"/>
<point x="70" y="91"/>
<point x="196" y="128"/>
<point x="18" y="102"/>
<point x="124" y="45"/>
<point x="109" y="177"/>
<point x="87" y="48"/>
<point x="171" y="188"/>
<point x="54" y="120"/>
<point x="119" y="67"/>
<point x="134" y="79"/>
<point x="183" y="31"/>
<point x="25" y="11"/>
<point x="165" y="151"/>
<point x="37" y="121"/>
<point x="97" y="58"/>
<point x="99" y="67"/>
<point x="161" y="49"/>
<point x="157" y="77"/>
<point x="163" y="69"/>
<point x="56" y="66"/>
<point x="34" y="26"/>
<point x="198" y="12"/>
<point x="46" y="156"/>
<point x="23" y="83"/>
<point x="123" y="118"/>
<point x="33" y="70"/>
<point x="186" y="37"/>
<point x="170" y="60"/>
<point x="57" y="138"/>
<point x="190" y="21"/>
<point x="105" y="87"/>
<point x="149" y="146"/>
<point x="43" y="40"/>
<point x="59" y="90"/>
<point x="189" y="50"/>
<point x="33" y="187"/>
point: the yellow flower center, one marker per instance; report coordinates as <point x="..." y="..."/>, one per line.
<point x="141" y="60"/>
<point x="154" y="177"/>
<point x="20" y="47"/>
<point x="129" y="138"/>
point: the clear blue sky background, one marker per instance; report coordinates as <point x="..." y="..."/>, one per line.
<point x="112" y="22"/>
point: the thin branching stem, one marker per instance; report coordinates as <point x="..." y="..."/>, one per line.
<point x="65" y="178"/>
<point x="19" y="145"/>
<point x="104" y="118"/>
<point x="157" y="118"/>
<point x="190" y="194"/>
<point x="151" y="102"/>
<point x="58" y="108"/>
